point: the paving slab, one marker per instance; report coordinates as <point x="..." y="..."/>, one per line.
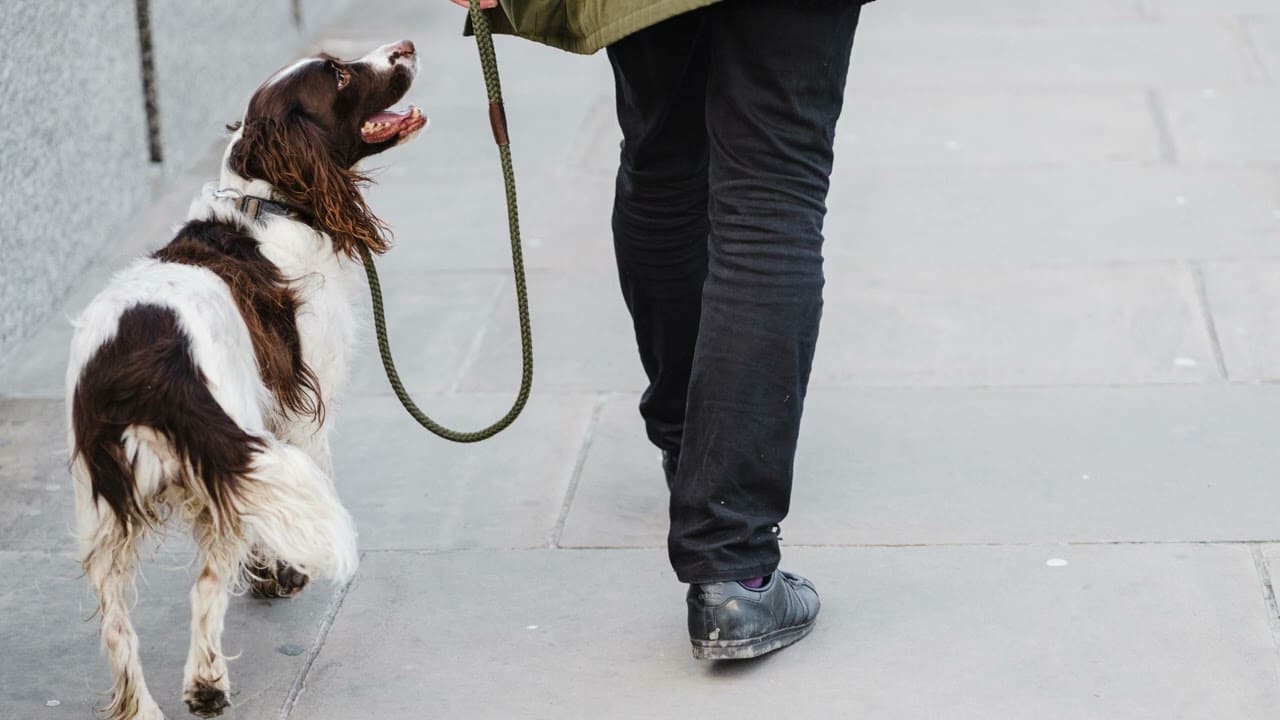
<point x="579" y="232"/>
<point x="1264" y="39"/>
<point x="583" y="337"/>
<point x="410" y="490"/>
<point x="961" y="214"/>
<point x="1119" y="632"/>
<point x="903" y="325"/>
<point x="433" y="322"/>
<point x="621" y="495"/>
<point x="1141" y="464"/>
<point x="37" y="510"/>
<point x="1003" y="325"/>
<point x="1158" y="9"/>
<point x="599" y="140"/>
<point x="37" y="367"/>
<point x="460" y="223"/>
<point x="986" y="128"/>
<point x="998" y="465"/>
<point x="1245" y="300"/>
<point x="46" y="619"/>
<point x="884" y="16"/>
<point x="1229" y="127"/>
<point x="1133" y="54"/>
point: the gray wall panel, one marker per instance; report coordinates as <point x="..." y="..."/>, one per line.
<point x="74" y="164"/>
<point x="209" y="58"/>
<point x="73" y="156"/>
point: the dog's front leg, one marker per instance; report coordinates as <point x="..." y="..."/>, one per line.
<point x="205" y="685"/>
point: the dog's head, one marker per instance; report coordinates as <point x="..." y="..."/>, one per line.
<point x="309" y="124"/>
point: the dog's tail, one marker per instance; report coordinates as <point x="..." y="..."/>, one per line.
<point x="280" y="502"/>
<point x="288" y="506"/>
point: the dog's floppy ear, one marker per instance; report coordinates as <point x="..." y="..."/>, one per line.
<point x="293" y="156"/>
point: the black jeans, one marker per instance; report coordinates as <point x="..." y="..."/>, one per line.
<point x="728" y="116"/>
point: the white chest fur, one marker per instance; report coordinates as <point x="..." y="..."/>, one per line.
<point x="324" y="286"/>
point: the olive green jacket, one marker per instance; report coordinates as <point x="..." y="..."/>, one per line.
<point x="585" y="26"/>
<point x="582" y="26"/>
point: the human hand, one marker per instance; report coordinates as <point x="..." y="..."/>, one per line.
<point x="484" y="4"/>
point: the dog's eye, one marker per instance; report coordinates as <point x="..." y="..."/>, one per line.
<point x="344" y="77"/>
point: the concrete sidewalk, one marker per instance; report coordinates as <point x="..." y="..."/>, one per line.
<point x="1039" y="472"/>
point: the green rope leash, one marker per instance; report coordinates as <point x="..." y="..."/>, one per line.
<point x="497" y="118"/>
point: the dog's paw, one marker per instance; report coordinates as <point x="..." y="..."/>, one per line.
<point x="279" y="582"/>
<point x="205" y="700"/>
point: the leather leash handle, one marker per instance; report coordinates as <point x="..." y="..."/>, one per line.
<point x="498" y="122"/>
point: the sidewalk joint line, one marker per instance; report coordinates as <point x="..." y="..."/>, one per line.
<point x="1240" y="28"/>
<point x="833" y="546"/>
<point x="477" y="340"/>
<point x="869" y="385"/>
<point x="1164" y="136"/>
<point x="322" y="634"/>
<point x="576" y="476"/>
<point x="1034" y="543"/>
<point x="1202" y="291"/>
<point x="1268" y="594"/>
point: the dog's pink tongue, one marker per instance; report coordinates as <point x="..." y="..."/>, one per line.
<point x="382" y="126"/>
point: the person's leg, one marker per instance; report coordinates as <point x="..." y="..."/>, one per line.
<point x="660" y="209"/>
<point x="775" y="89"/>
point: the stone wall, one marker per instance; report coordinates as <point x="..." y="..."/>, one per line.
<point x="74" y="160"/>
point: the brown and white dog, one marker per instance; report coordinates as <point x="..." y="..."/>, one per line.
<point x="198" y="379"/>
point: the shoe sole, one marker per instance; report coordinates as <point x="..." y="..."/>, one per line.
<point x="751" y="647"/>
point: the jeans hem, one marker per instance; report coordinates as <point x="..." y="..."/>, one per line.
<point x="699" y="576"/>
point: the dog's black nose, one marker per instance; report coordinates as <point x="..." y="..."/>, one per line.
<point x="404" y="48"/>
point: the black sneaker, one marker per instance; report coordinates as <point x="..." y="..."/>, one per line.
<point x="729" y="621"/>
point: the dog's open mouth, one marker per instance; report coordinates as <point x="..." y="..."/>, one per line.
<point x="388" y="124"/>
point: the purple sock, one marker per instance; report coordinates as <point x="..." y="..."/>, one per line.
<point x="754" y="583"/>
